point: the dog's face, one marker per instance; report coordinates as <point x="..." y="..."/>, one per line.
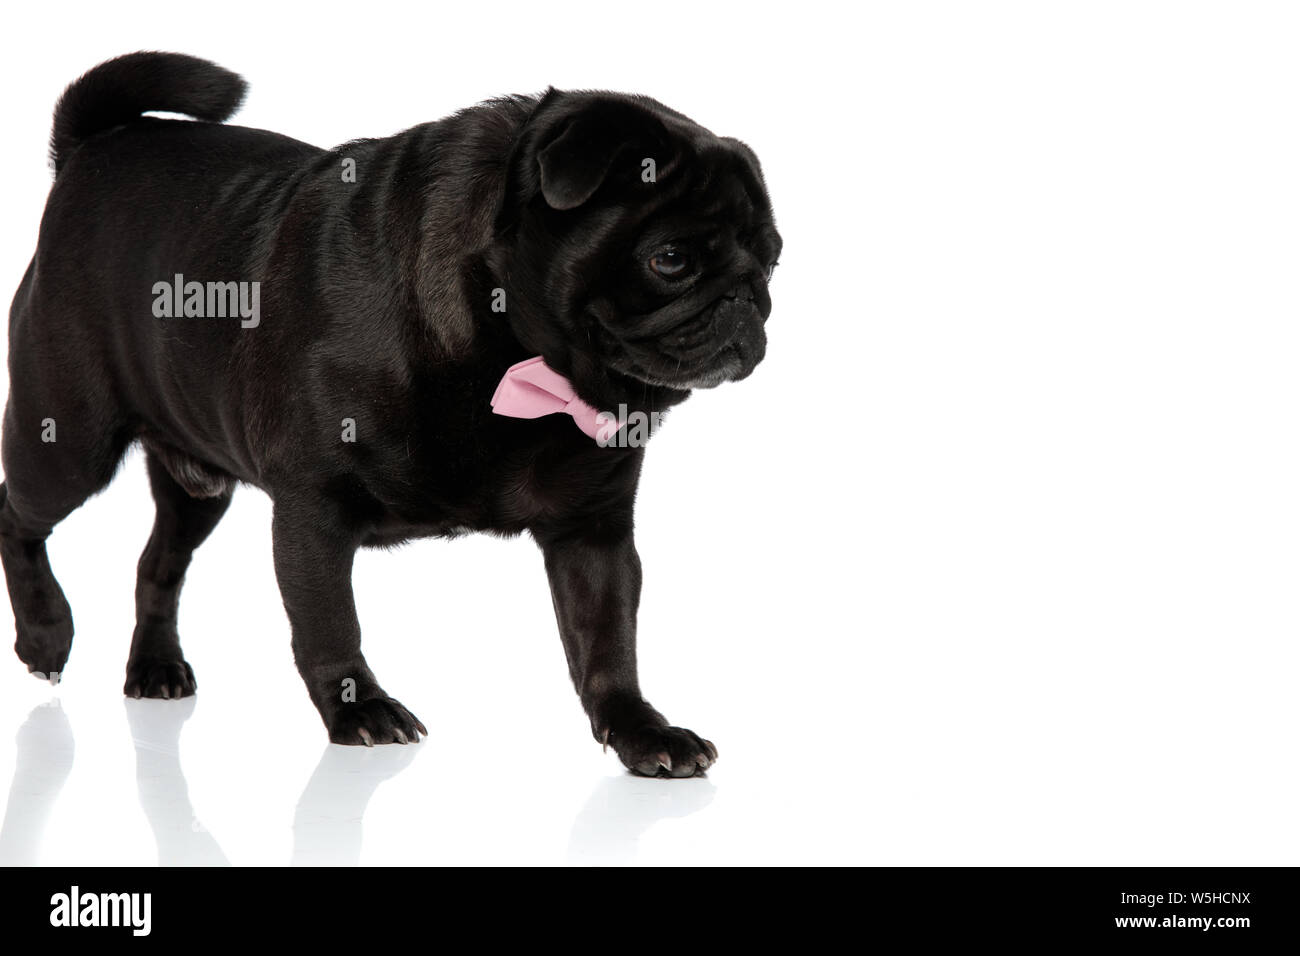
<point x="641" y="245"/>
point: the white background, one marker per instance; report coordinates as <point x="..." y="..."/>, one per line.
<point x="993" y="560"/>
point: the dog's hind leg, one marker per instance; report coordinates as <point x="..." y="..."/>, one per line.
<point x="156" y="667"/>
<point x="53" y="462"/>
<point x="42" y="617"/>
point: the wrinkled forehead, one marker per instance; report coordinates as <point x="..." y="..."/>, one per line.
<point x="715" y="162"/>
<point x="721" y="189"/>
<point x="725" y="176"/>
<point x="714" y="178"/>
<point x="706" y="185"/>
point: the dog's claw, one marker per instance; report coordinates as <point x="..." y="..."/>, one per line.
<point x="663" y="751"/>
<point x="159" y="678"/>
<point x="604" y="741"/>
<point x="374" y="722"/>
<point x="420" y="727"/>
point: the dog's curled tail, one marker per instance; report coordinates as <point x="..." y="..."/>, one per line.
<point x="120" y="90"/>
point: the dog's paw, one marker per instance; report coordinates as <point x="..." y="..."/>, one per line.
<point x="379" y="720"/>
<point x="45" y="649"/>
<point x="663" y="751"/>
<point x="168" y="677"/>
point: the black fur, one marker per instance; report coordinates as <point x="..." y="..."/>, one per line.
<point x="376" y="306"/>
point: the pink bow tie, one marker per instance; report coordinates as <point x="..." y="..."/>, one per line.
<point x="531" y="389"/>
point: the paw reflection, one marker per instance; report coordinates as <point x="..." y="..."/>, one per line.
<point x="622" y="808"/>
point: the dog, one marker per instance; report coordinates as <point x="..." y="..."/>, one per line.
<point x="444" y="331"/>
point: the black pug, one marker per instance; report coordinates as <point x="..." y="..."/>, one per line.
<point x="335" y="326"/>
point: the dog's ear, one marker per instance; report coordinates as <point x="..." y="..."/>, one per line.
<point x="575" y="160"/>
<point x="575" y="143"/>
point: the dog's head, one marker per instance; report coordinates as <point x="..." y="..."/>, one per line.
<point x="639" y="245"/>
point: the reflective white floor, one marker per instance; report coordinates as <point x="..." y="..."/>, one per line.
<point x="864" y="715"/>
<point x="331" y="817"/>
<point x="463" y="633"/>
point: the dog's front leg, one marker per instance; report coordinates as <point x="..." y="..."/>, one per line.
<point x="313" y="564"/>
<point x="595" y="577"/>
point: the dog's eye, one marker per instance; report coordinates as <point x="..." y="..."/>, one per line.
<point x="670" y="263"/>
